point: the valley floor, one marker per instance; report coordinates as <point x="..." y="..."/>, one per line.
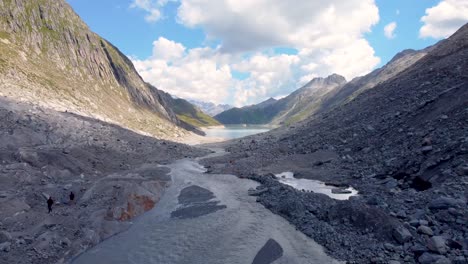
<point x="396" y="218"/>
<point x="118" y="175"/>
<point x="115" y="174"/>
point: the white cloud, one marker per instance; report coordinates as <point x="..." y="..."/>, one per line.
<point x="389" y="30"/>
<point x="166" y="49"/>
<point x="195" y="74"/>
<point x="268" y="75"/>
<point x="152" y="8"/>
<point x="329" y="38"/>
<point x="444" y="19"/>
<point x="248" y="25"/>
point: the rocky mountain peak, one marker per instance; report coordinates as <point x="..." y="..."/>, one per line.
<point x="331" y="80"/>
<point x="46" y="47"/>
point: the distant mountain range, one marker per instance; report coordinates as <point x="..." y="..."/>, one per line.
<point x="210" y="108"/>
<point x="319" y="95"/>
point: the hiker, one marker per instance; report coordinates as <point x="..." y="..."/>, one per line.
<point x="72" y="196"/>
<point x="50" y="202"/>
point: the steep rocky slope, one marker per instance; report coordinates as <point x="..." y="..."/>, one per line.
<point x="304" y="102"/>
<point x="292" y="108"/>
<point x="50" y="57"/>
<point x="115" y="174"/>
<point x="191" y="114"/>
<point x="402" y="144"/>
<point x="348" y="92"/>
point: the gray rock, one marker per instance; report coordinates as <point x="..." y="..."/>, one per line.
<point x="423" y="222"/>
<point x="443" y="203"/>
<point x="437" y="244"/>
<point x="401" y="234"/>
<point x="6" y="246"/>
<point x="462" y="170"/>
<point x="4" y="236"/>
<point x="253" y="192"/>
<point x="425" y="230"/>
<point x="428" y="258"/>
<point x="426" y="149"/>
<point x="459" y="260"/>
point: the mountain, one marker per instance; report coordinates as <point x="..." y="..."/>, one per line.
<point x="292" y="108"/>
<point x="261" y="113"/>
<point x="402" y="144"/>
<point x="321" y="94"/>
<point x="346" y="93"/>
<point x="49" y="56"/>
<point x="210" y="108"/>
<point x="303" y="102"/>
<point x="191" y="114"/>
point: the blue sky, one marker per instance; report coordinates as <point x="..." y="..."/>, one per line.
<point x="237" y="53"/>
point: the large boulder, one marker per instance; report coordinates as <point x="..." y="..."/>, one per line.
<point x="401" y="234"/>
<point x="4" y="236"/>
<point x="437" y="244"/>
<point x="442" y="203"/>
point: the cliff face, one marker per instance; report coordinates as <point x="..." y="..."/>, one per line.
<point x="49" y="56"/>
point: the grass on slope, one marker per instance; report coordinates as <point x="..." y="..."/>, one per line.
<point x="188" y="113"/>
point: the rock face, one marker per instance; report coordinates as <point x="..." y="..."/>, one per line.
<point x="50" y="57"/>
<point x="402" y="144"/>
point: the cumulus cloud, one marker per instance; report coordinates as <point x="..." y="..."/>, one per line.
<point x="249" y="25"/>
<point x="327" y="35"/>
<point x="199" y="73"/>
<point x="444" y="19"/>
<point x="389" y="30"/>
<point x="167" y="49"/>
<point x="268" y="75"/>
<point x="152" y="8"/>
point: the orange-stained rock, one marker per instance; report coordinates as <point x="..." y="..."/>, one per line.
<point x="137" y="205"/>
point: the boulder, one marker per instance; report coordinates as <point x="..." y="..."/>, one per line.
<point x="425" y="230"/>
<point x="442" y="203"/>
<point x="4" y="236"/>
<point x="428" y="258"/>
<point x="437" y="244"/>
<point x="6" y="246"/>
<point x="426" y="149"/>
<point x="401" y="234"/>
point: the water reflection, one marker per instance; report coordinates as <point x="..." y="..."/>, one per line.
<point x="316" y="186"/>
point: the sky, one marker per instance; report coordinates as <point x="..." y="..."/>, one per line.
<point x="242" y="52"/>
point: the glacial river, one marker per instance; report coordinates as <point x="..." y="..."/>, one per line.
<point x="207" y="218"/>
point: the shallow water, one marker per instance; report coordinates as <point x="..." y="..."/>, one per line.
<point x="234" y="233"/>
<point x="314" y="186"/>
<point x="236" y="131"/>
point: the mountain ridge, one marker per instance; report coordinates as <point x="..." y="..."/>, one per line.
<point x="285" y="109"/>
<point x="49" y="56"/>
